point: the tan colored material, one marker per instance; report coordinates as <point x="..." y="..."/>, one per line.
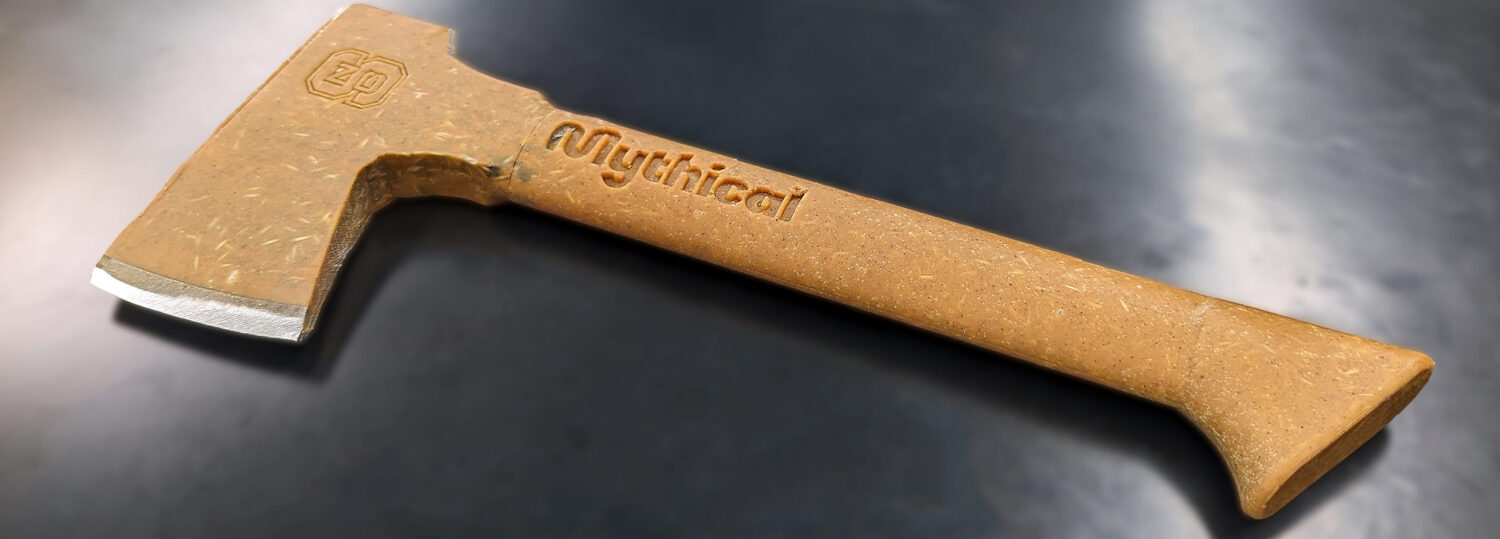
<point x="374" y="108"/>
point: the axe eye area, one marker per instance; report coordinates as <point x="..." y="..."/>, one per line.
<point x="408" y="175"/>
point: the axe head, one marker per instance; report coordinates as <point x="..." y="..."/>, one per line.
<point x="249" y="233"/>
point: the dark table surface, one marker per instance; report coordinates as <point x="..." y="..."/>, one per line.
<point x="1336" y="161"/>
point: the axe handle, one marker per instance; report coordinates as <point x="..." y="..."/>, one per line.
<point x="1274" y="394"/>
<point x="998" y="293"/>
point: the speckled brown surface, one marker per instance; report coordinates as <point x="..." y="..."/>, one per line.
<point x="1270" y="392"/>
<point x="268" y="208"/>
<point x="270" y="205"/>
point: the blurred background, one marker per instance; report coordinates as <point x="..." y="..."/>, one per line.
<point x="502" y="373"/>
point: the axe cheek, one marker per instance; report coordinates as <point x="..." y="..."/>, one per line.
<point x="373" y="108"/>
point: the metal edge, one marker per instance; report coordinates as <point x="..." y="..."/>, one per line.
<point x="239" y="314"/>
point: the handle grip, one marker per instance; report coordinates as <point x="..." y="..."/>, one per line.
<point x="1282" y="400"/>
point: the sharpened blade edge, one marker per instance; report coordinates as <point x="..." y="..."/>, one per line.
<point x="229" y="312"/>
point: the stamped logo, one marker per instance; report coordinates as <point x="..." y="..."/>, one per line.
<point x="621" y="165"/>
<point x="356" y="78"/>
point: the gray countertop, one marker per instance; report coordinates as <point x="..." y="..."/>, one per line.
<point x="502" y="373"/>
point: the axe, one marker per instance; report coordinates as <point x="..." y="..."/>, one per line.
<point x="249" y="234"/>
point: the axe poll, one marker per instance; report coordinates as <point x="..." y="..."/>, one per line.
<point x="249" y="234"/>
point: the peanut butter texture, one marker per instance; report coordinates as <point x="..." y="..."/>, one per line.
<point x="374" y="108"/>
